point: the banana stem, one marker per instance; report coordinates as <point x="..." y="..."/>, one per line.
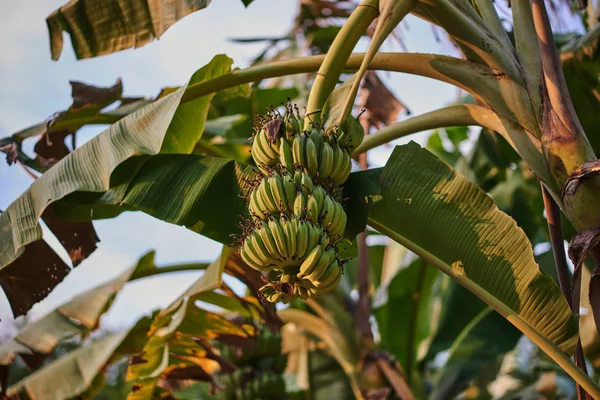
<point x="458" y="115"/>
<point x="392" y="12"/>
<point x="170" y="269"/>
<point x="411" y="63"/>
<point x="337" y="56"/>
<point x="426" y="65"/>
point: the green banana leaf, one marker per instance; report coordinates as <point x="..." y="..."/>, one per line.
<point x="180" y="189"/>
<point x="99" y="27"/>
<point x="166" y="125"/>
<point x="433" y="211"/>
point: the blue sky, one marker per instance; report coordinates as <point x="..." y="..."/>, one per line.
<point x="33" y="87"/>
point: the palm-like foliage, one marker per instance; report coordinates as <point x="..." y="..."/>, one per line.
<point x="183" y="155"/>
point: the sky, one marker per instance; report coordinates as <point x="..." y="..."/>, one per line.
<point x="33" y="87"/>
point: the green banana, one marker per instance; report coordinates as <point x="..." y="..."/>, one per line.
<point x="259" y="198"/>
<point x="298" y="150"/>
<point x="290" y="189"/>
<point x="319" y="268"/>
<point x="311" y="260"/>
<point x="312" y="159"/>
<point x="318" y="140"/>
<point x="296" y="221"/>
<point x="267" y="146"/>
<point x="329" y="275"/>
<point x="267" y="237"/>
<point x="326" y="257"/>
<point x="252" y="254"/>
<point x="307" y="182"/>
<point x="338" y="225"/>
<point x="290" y="237"/>
<point x="328" y="212"/>
<point x="301" y="246"/>
<point x="338" y="163"/>
<point x="278" y="192"/>
<point x="300" y="205"/>
<point x="248" y="257"/>
<point x="300" y="292"/>
<point x="253" y="205"/>
<point x="319" y="194"/>
<point x="259" y="248"/>
<point x="347" y="168"/>
<point x="266" y="196"/>
<point x="298" y="177"/>
<point x="279" y="237"/>
<point x="292" y="125"/>
<point x="313" y="209"/>
<point x="258" y="153"/>
<point x="326" y="163"/>
<point x="287" y="158"/>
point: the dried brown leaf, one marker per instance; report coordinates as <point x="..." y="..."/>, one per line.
<point x="31" y="277"/>
<point x="12" y="152"/>
<point x="381" y="105"/>
<point x="85" y="95"/>
<point x="51" y="147"/>
<point x="78" y="238"/>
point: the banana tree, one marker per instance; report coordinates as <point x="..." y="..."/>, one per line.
<point x="295" y="208"/>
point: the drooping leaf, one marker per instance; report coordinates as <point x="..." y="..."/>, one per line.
<point x="78" y="238"/>
<point x="187" y="124"/>
<point x="89" y="168"/>
<point x="178" y="340"/>
<point x="484" y="341"/>
<point x="32" y="276"/>
<point x="99" y="27"/>
<point x="180" y="189"/>
<point x="79" y="315"/>
<point x="438" y="214"/>
<point x="74" y="373"/>
<point x="87" y="107"/>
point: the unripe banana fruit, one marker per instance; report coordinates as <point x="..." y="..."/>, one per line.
<point x="297" y="217"/>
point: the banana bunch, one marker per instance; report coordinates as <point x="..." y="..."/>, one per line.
<point x="283" y="194"/>
<point x="297" y="215"/>
<point x="281" y="243"/>
<point x="321" y="155"/>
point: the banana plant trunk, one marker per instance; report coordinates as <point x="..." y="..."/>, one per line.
<point x="570" y="160"/>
